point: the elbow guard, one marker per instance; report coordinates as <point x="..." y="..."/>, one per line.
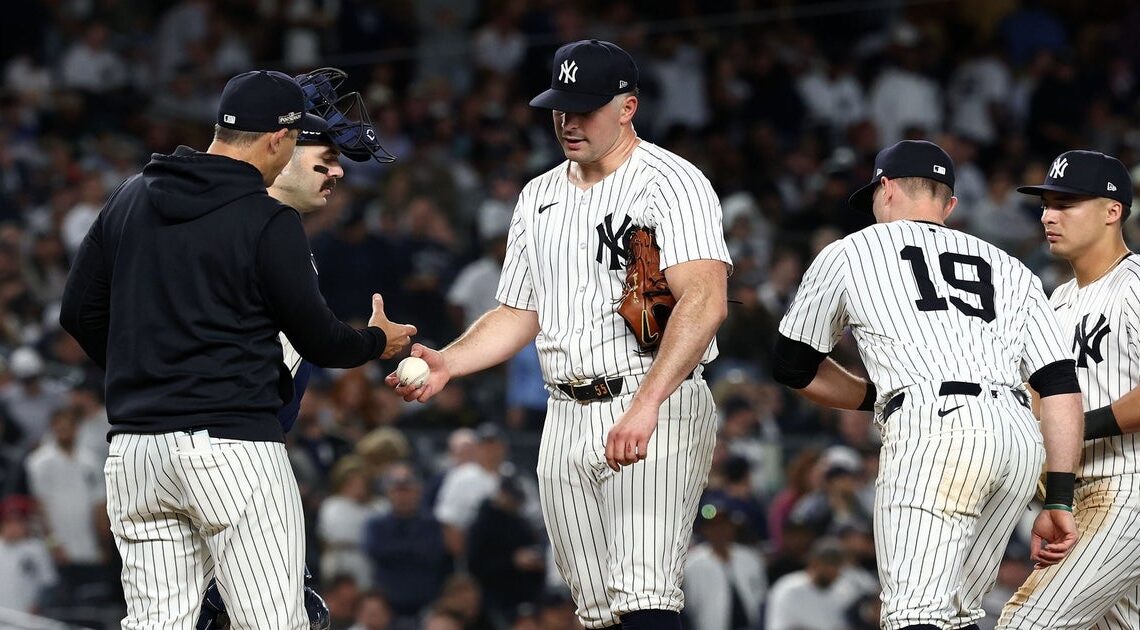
<point x="1059" y="377"/>
<point x="794" y="363"/>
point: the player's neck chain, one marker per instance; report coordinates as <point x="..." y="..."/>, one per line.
<point x="1110" y="267"/>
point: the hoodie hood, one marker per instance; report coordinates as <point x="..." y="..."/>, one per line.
<point x="188" y="184"/>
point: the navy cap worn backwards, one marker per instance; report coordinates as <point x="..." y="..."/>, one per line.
<point x="586" y="75"/>
<point x="909" y="158"/>
<point x="265" y="100"/>
<point x="1086" y="173"/>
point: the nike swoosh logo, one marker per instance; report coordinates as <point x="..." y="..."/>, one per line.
<point x="542" y="209"/>
<point x="942" y="413"/>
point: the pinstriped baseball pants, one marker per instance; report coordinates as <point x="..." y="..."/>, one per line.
<point x="620" y="539"/>
<point x="1096" y="585"/>
<point x="950" y="491"/>
<point x="179" y="503"/>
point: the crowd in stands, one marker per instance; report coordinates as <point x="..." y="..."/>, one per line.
<point x="427" y="516"/>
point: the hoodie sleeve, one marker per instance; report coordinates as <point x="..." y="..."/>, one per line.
<point x="85" y="309"/>
<point x="289" y="284"/>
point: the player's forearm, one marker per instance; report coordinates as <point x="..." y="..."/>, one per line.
<point x="1062" y="426"/>
<point x="495" y="337"/>
<point x="692" y="326"/>
<point x="835" y="387"/>
<point x="1122" y="416"/>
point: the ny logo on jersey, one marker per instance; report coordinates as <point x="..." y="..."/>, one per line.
<point x="614" y="241"/>
<point x="1058" y="169"/>
<point x="568" y="73"/>
<point x="1088" y="340"/>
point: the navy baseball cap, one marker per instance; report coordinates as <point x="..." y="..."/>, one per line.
<point x="265" y="100"/>
<point x="909" y="158"/>
<point x="1086" y="173"/>
<point x="586" y="75"/>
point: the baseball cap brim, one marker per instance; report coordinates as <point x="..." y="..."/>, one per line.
<point x="1044" y="188"/>
<point x="573" y="102"/>
<point x="863" y="199"/>
<point x="312" y="122"/>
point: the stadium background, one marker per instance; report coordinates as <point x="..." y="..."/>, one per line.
<point x="782" y="105"/>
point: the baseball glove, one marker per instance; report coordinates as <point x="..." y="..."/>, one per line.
<point x="647" y="301"/>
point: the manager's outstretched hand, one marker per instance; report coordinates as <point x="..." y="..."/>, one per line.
<point x="436" y="381"/>
<point x="399" y="335"/>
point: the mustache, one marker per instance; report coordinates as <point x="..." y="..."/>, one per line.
<point x="329" y="184"/>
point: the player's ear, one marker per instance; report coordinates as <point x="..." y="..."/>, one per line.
<point x="950" y="205"/>
<point x="1115" y="213"/>
<point x="628" y="108"/>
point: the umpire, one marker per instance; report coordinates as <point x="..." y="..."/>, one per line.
<point x="179" y="290"/>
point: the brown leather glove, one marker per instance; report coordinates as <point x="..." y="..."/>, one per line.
<point x="647" y="302"/>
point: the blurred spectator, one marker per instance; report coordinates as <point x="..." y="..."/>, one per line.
<point x="462" y="597"/>
<point x="466" y="487"/>
<point x="725" y="582"/>
<point x="1003" y="217"/>
<point x="499" y="44"/>
<point x="737" y="495"/>
<point x="1029" y="29"/>
<point x="832" y="93"/>
<point x="80" y="217"/>
<point x="341" y="521"/>
<point x="504" y="552"/>
<point x="791" y="555"/>
<point x="678" y="68"/>
<point x="903" y="96"/>
<point x="89" y="65"/>
<point x="372" y="613"/>
<point x="67" y="483"/>
<point x="979" y="93"/>
<point x="441" y="619"/>
<point x="838" y="503"/>
<point x="342" y="595"/>
<point x="26" y="568"/>
<point x="800" y="483"/>
<point x="818" y="597"/>
<point x="31" y="398"/>
<point x="526" y="395"/>
<point x="406" y="547"/>
<point x="556" y="612"/>
<point x="473" y="292"/>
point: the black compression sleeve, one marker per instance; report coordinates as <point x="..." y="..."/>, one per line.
<point x="1059" y="377"/>
<point x="1101" y="423"/>
<point x="795" y="363"/>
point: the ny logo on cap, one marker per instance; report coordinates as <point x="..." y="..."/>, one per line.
<point x="569" y="72"/>
<point x="1059" y="166"/>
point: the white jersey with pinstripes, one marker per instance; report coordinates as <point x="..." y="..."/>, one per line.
<point x="926" y="304"/>
<point x="1098" y="584"/>
<point x="1101" y="323"/>
<point x="565" y="256"/>
<point x="619" y="539"/>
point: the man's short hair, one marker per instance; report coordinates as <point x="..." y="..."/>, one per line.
<point x="917" y="186"/>
<point x="235" y="137"/>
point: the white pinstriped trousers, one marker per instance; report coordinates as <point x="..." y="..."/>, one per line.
<point x="620" y="539"/>
<point x="179" y="503"/>
<point x="950" y="491"/>
<point x="1097" y="585"/>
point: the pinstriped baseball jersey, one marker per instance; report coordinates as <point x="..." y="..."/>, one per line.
<point x="926" y="303"/>
<point x="565" y="255"/>
<point x="1098" y="584"/>
<point x="1101" y="322"/>
<point x="619" y="540"/>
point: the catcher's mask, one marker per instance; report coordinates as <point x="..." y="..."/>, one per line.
<point x="350" y="128"/>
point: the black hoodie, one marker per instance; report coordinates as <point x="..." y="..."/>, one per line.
<point x="179" y="290"/>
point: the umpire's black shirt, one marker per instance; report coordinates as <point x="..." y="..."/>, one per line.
<point x="179" y="289"/>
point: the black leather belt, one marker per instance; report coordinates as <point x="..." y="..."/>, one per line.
<point x="601" y="388"/>
<point x="954" y="388"/>
<point x="948" y="388"/>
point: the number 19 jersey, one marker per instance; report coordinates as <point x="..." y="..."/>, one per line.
<point x="927" y="303"/>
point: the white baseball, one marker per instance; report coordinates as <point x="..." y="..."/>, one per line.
<point x="413" y="371"/>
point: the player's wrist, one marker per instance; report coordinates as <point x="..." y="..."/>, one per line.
<point x="1059" y="488"/>
<point x="1101" y="423"/>
<point x="869" y="398"/>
